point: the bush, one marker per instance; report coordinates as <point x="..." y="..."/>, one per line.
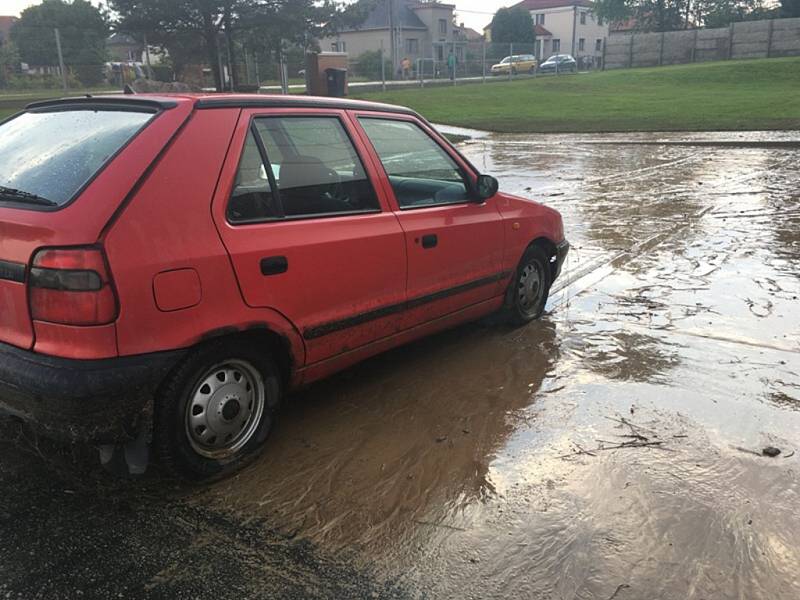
<point x="89" y="75"/>
<point x="369" y="65"/>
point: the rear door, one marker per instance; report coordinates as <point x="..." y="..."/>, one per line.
<point x="308" y="232"/>
<point x="454" y="244"/>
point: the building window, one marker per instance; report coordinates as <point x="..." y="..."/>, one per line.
<point x="583" y="18"/>
<point x="598" y="45"/>
<point x="412" y="46"/>
<point x="339" y="47"/>
<point x="443" y="26"/>
<point x="556" y="46"/>
<point x="540" y="19"/>
<point x="581" y="44"/>
<point x="600" y="21"/>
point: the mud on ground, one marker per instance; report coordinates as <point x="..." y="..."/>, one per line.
<point x="613" y="449"/>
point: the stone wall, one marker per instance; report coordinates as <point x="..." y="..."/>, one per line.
<point x="748" y="39"/>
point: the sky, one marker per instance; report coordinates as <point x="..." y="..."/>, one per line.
<point x="473" y="13"/>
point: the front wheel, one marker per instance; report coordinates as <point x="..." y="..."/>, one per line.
<point x="527" y="295"/>
<point x="215" y="411"/>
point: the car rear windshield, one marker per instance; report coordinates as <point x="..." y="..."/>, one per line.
<point x="47" y="157"/>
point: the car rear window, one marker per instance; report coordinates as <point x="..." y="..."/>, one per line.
<point x="46" y="158"/>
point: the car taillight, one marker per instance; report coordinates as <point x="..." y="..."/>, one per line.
<point x="71" y="286"/>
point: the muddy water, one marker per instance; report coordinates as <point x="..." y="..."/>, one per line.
<point x="477" y="463"/>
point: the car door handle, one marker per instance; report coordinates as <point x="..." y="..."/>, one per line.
<point x="274" y="265"/>
<point x="430" y="241"/>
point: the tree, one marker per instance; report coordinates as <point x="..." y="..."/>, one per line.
<point x="9" y="62"/>
<point x="790" y="8"/>
<point x="220" y="28"/>
<point x="669" y="15"/>
<point x="83" y="30"/>
<point x="513" y="26"/>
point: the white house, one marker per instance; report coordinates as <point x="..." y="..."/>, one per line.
<point x="565" y="27"/>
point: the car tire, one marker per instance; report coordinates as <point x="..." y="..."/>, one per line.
<point x="513" y="72"/>
<point x="214" y="412"/>
<point x="532" y="71"/>
<point x="527" y="295"/>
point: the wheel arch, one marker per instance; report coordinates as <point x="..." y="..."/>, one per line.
<point x="549" y="248"/>
<point x="262" y="335"/>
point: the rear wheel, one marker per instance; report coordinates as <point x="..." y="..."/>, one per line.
<point x="216" y="410"/>
<point x="527" y="295"/>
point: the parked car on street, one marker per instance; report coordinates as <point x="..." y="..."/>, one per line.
<point x="559" y="63"/>
<point x="179" y="263"/>
<point x="523" y="63"/>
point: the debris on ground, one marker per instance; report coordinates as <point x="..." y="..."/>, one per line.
<point x="771" y="451"/>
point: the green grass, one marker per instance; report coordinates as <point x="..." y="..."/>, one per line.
<point x="734" y="95"/>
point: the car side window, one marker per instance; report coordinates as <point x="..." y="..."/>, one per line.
<point x="421" y="173"/>
<point x="296" y="167"/>
<point x="251" y="199"/>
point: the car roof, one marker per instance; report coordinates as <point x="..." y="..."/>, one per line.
<point x="210" y="101"/>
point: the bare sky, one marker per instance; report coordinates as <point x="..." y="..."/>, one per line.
<point x="473" y="13"/>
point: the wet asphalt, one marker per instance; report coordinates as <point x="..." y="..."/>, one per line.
<point x="613" y="449"/>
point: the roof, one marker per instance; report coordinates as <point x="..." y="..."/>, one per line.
<point x="122" y="39"/>
<point x="378" y="18"/>
<point x="541" y="31"/>
<point x="471" y="34"/>
<point x="543" y="4"/>
<point x="210" y="101"/>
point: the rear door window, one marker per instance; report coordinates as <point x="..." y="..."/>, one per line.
<point x="299" y="167"/>
<point x="48" y="157"/>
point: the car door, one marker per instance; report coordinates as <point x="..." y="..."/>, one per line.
<point x="454" y="244"/>
<point x="308" y="232"/>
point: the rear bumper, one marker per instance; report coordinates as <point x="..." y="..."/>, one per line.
<point x="562" y="250"/>
<point x="100" y="401"/>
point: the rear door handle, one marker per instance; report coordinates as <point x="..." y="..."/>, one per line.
<point x="274" y="265"/>
<point x="430" y="240"/>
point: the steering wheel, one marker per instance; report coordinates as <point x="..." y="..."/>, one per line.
<point x="336" y="189"/>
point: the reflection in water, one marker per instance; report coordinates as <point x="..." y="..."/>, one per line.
<point x="408" y="436"/>
<point x="440" y="461"/>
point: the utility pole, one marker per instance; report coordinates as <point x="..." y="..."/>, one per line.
<point x="391" y="35"/>
<point x="61" y="60"/>
<point x="147" y="57"/>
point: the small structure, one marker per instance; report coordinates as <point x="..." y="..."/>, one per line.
<point x="324" y="73"/>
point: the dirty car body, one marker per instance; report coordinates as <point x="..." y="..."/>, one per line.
<point x="180" y="262"/>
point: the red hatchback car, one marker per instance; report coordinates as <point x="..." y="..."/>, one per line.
<point x="175" y="264"/>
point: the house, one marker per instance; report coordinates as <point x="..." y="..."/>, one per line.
<point x="405" y="29"/>
<point x="6" y="23"/>
<point x="565" y="27"/>
<point x="468" y="34"/>
<point x="124" y="48"/>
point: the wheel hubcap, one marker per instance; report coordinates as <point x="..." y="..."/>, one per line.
<point x="225" y="409"/>
<point x="530" y="287"/>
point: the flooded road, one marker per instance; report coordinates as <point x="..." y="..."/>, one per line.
<point x="613" y="449"/>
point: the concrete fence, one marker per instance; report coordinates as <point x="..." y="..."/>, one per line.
<point x="748" y="39"/>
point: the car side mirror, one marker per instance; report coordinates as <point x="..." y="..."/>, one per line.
<point x="486" y="186"/>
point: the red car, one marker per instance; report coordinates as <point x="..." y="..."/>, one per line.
<point x="175" y="264"/>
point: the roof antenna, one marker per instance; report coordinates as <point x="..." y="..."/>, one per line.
<point x="128" y="89"/>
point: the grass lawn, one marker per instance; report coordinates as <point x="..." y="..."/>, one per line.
<point x="732" y="95"/>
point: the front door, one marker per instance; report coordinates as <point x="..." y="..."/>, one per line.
<point x="454" y="244"/>
<point x="307" y="233"/>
